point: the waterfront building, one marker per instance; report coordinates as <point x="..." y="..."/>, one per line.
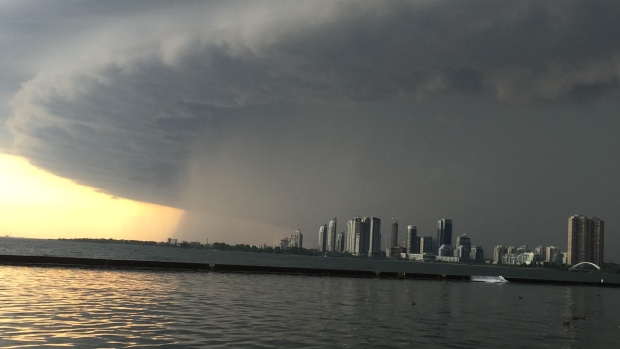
<point x="522" y="249"/>
<point x="331" y="236"/>
<point x="353" y="233"/>
<point x="323" y="238"/>
<point x="511" y="250"/>
<point x="340" y="243"/>
<point x="527" y="258"/>
<point x="444" y="232"/>
<point x="447" y="259"/>
<point x="540" y="250"/>
<point x="422" y="257"/>
<point x="509" y="258"/>
<point x="363" y="242"/>
<point x="498" y="253"/>
<point x="374" y="237"/>
<point x="426" y="244"/>
<point x="563" y="257"/>
<point x="463" y="248"/>
<point x="296" y="239"/>
<point x="446" y="251"/>
<point x="476" y="254"/>
<point x="282" y="243"/>
<point x="552" y="254"/>
<point x="585" y="240"/>
<point x="412" y="239"/>
<point x="358" y="238"/>
<point x="398" y="251"/>
<point x="394" y="237"/>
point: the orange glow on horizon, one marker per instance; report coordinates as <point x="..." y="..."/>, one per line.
<point x="38" y="204"/>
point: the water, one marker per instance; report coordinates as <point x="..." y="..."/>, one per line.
<point x="98" y="308"/>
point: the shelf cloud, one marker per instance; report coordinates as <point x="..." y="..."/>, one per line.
<point x="288" y="114"/>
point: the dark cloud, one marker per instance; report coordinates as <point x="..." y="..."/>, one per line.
<point x="288" y="114"/>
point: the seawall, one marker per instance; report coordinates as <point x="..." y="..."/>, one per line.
<point x="344" y="267"/>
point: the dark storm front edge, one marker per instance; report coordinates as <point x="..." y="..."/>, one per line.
<point x="396" y="270"/>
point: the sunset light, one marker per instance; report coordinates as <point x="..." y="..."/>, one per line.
<point x="37" y="204"/>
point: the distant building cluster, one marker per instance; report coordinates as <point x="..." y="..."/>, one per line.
<point x="585" y="244"/>
<point x="523" y="256"/>
<point x="362" y="237"/>
<point x="296" y="240"/>
<point x="425" y="248"/>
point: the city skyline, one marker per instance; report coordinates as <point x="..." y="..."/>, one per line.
<point x="585" y="243"/>
<point x="243" y="121"/>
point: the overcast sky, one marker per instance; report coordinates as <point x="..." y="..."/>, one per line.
<point x="265" y="116"/>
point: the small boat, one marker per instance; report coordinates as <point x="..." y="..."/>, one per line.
<point x="490" y="279"/>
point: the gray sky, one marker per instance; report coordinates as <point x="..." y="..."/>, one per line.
<point x="262" y="117"/>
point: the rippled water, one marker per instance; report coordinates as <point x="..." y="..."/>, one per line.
<point x="94" y="308"/>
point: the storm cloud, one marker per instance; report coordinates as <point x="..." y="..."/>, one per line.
<point x="285" y="114"/>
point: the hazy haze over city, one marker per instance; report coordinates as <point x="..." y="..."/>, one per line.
<point x="241" y="121"/>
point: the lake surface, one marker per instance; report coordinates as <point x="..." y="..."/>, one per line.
<point x="99" y="308"/>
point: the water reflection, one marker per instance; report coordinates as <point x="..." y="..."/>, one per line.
<point x="105" y="308"/>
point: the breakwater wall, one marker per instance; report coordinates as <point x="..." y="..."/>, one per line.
<point x="344" y="267"/>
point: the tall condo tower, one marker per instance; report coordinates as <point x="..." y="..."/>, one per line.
<point x="585" y="240"/>
<point x="412" y="239"/>
<point x="444" y="232"/>
<point x="394" y="241"/>
<point x="340" y="243"/>
<point x="331" y="236"/>
<point x="363" y="236"/>
<point x="374" y="239"/>
<point x="426" y="244"/>
<point x="297" y="239"/>
<point x="352" y="236"/>
<point x="363" y="243"/>
<point x="463" y="247"/>
<point x="323" y="238"/>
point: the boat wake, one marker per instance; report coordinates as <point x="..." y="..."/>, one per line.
<point x="490" y="279"/>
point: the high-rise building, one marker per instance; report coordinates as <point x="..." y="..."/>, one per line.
<point x="352" y="235"/>
<point x="444" y="232"/>
<point x="363" y="242"/>
<point x="374" y="237"/>
<point x="340" y="243"/>
<point x="540" y="251"/>
<point x="476" y="254"/>
<point x="296" y="240"/>
<point x="585" y="240"/>
<point x="552" y="254"/>
<point x="394" y="241"/>
<point x="426" y="244"/>
<point x="446" y="251"/>
<point x="498" y="252"/>
<point x="331" y="236"/>
<point x="412" y="239"/>
<point x="323" y="238"/>
<point x="463" y="247"/>
<point x="363" y="237"/>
